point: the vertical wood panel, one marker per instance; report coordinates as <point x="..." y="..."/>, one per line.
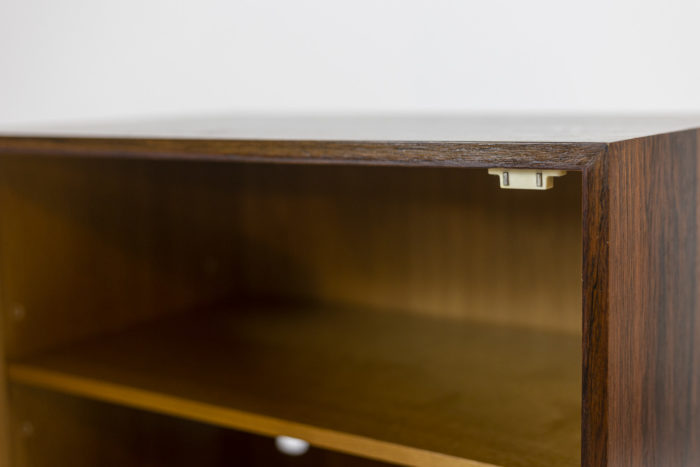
<point x="449" y="243"/>
<point x="654" y="374"/>
<point x="594" y="417"/>
<point x="5" y="449"/>
<point x="4" y="405"/>
<point x="695" y="382"/>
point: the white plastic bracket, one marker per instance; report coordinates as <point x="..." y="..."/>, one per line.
<point x="527" y="179"/>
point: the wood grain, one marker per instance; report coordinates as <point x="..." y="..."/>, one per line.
<point x="412" y="239"/>
<point x="594" y="429"/>
<point x="140" y="238"/>
<point x="4" y="402"/>
<point x="653" y="364"/>
<point x="435" y="154"/>
<point x="76" y="432"/>
<point x="83" y="252"/>
<point x="405" y="389"/>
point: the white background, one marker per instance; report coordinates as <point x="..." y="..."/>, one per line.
<point x="83" y="59"/>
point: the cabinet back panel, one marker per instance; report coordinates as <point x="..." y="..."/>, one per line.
<point x="91" y="246"/>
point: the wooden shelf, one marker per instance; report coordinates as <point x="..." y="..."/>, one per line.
<point x="394" y="387"/>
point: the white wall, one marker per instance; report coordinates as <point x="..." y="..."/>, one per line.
<point x="77" y="59"/>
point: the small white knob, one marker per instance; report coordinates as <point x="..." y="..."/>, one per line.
<point x="291" y="446"/>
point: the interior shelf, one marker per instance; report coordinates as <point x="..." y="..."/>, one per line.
<point x="396" y="387"/>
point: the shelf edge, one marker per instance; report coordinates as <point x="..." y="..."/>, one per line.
<point x="231" y="418"/>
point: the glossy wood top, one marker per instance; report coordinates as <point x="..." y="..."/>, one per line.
<point x="426" y="128"/>
<point x="565" y="143"/>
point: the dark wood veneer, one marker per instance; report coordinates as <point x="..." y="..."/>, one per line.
<point x="594" y="434"/>
<point x="641" y="368"/>
<point x="653" y="367"/>
<point x="572" y="156"/>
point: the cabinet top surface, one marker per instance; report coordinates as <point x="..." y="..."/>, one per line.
<point x="426" y="128"/>
<point x="555" y="142"/>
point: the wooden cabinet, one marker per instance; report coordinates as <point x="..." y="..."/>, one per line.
<point x="180" y="293"/>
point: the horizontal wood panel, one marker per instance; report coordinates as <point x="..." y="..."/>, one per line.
<point x="394" y="387"/>
<point x="55" y="430"/>
<point x="573" y="156"/>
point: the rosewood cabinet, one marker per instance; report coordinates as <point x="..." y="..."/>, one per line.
<point x="423" y="291"/>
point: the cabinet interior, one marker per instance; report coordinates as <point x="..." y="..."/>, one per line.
<point x="398" y="314"/>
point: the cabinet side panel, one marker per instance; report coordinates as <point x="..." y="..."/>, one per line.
<point x="4" y="406"/>
<point x="4" y="399"/>
<point x="654" y="373"/>
<point x="594" y="434"/>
